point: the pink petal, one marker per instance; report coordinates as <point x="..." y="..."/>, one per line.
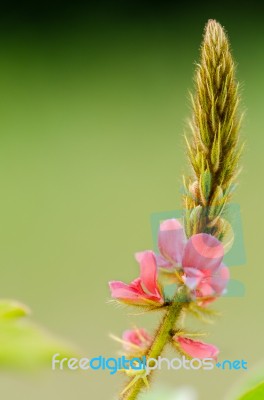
<point x="220" y="279"/>
<point x="212" y="286"/>
<point x="171" y="240"/>
<point x="143" y="290"/>
<point x="136" y="286"/>
<point x="197" y="349"/>
<point x="203" y="252"/>
<point x="192" y="277"/>
<point x="148" y="271"/>
<point x="205" y="290"/>
<point x="120" y="290"/>
<point x="205" y="293"/>
<point x="139" y="337"/>
<point x="162" y="262"/>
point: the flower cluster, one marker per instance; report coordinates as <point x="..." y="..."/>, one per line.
<point x="195" y="263"/>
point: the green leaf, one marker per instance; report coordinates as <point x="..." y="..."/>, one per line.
<point x="12" y="309"/>
<point x="24" y="345"/>
<point x="205" y="185"/>
<point x="256" y="393"/>
<point x="195" y="217"/>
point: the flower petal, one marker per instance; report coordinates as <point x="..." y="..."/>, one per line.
<point x="203" y="252"/>
<point x="220" y="279"/>
<point x="205" y="290"/>
<point x="148" y="270"/>
<point x="122" y="291"/>
<point x="171" y="240"/>
<point x="163" y="263"/>
<point x="205" y="294"/>
<point x="139" y="337"/>
<point x="197" y="349"/>
<point x="192" y="277"/>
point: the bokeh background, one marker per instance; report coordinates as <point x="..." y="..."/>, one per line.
<point x="93" y="106"/>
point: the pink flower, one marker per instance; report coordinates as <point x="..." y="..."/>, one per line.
<point x="144" y="290"/>
<point x="200" y="258"/>
<point x="171" y="242"/>
<point x="136" y="339"/>
<point x="195" y="348"/>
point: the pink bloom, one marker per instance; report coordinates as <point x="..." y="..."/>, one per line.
<point x="200" y="258"/>
<point x="144" y="290"/>
<point x="171" y="242"/>
<point x="195" y="348"/>
<point x="136" y="338"/>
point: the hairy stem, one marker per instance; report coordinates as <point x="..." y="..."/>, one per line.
<point x="162" y="337"/>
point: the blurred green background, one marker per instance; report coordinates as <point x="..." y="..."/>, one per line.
<point x="93" y="106"/>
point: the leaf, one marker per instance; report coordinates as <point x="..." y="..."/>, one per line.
<point x="13" y="309"/>
<point x="195" y="218"/>
<point x="256" y="393"/>
<point x="215" y="151"/>
<point x="24" y="345"/>
<point x="205" y="185"/>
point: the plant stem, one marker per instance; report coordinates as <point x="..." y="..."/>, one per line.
<point x="162" y="337"/>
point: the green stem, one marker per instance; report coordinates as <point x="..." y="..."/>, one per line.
<point x="162" y="337"/>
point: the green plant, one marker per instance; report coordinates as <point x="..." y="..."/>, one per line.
<point x="191" y="257"/>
